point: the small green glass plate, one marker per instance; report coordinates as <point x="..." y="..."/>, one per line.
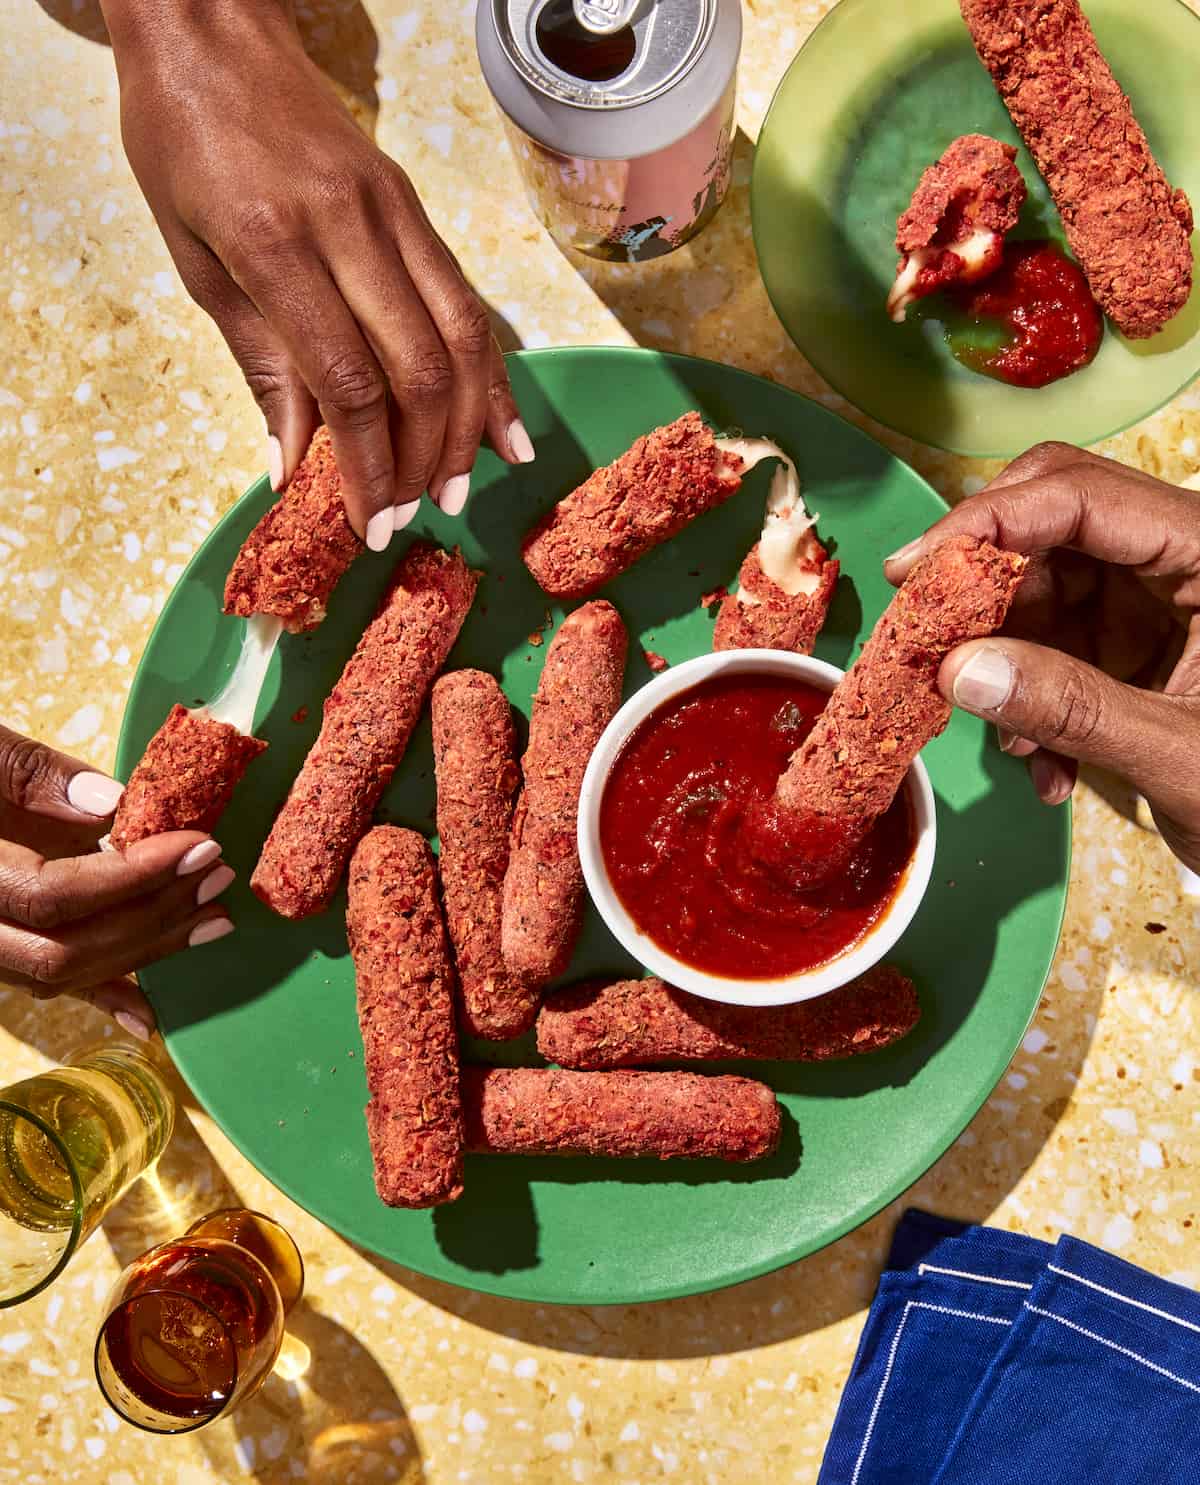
<point x="876" y="94"/>
<point x="262" y="1024"/>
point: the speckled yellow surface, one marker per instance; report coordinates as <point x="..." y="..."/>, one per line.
<point x="124" y="431"/>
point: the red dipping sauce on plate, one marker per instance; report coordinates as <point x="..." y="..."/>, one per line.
<point x="670" y="834"/>
<point x="1041" y="299"/>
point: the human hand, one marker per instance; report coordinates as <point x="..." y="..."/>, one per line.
<point x="310" y="249"/>
<point x="1100" y="659"/>
<point x="75" y="920"/>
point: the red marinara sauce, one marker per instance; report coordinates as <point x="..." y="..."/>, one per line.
<point x="670" y="832"/>
<point x="1041" y="299"/>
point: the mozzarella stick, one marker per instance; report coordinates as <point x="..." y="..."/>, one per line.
<point x="474" y="754"/>
<point x="640" y="1022"/>
<point x="577" y="695"/>
<point x="1129" y="228"/>
<point x="369" y="718"/>
<point x="291" y="562"/>
<point x="620" y="512"/>
<point x="185" y="779"/>
<point x="406" y="1015"/>
<point x="666" y="1115"/>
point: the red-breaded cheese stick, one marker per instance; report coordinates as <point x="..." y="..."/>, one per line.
<point x="761" y="616"/>
<point x="291" y="562"/>
<point x="577" y="695"/>
<point x="406" y="1015"/>
<point x="954" y="228"/>
<point x="369" y="718"/>
<point x="542" y="1111"/>
<point x="639" y="1022"/>
<point x="1129" y="229"/>
<point x="185" y="778"/>
<point x="886" y="708"/>
<point x="474" y="754"/>
<point x="645" y="497"/>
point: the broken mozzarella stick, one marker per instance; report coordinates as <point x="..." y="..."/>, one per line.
<point x="577" y="696"/>
<point x="648" y="495"/>
<point x="635" y="1023"/>
<point x="666" y="1115"/>
<point x="883" y="711"/>
<point x="280" y="579"/>
<point x="787" y="581"/>
<point x="474" y="755"/>
<point x="953" y="231"/>
<point x="404" y="986"/>
<point x="291" y="562"/>
<point x="369" y="717"/>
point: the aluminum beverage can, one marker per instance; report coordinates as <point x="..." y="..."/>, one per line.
<point x="622" y="136"/>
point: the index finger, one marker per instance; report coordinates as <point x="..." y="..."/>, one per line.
<point x="1090" y="505"/>
<point x="42" y="894"/>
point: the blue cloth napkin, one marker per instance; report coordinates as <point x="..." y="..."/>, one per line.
<point x="989" y="1358"/>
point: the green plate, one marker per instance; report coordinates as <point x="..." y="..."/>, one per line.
<point x="879" y="90"/>
<point x="262" y="1024"/>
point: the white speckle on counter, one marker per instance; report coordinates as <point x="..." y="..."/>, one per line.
<point x="423" y="1412"/>
<point x="525" y="1368"/>
<point x="16" y="1341"/>
<point x="164" y="284"/>
<point x="1124" y="1120"/>
<point x="116" y="457"/>
<point x="1071" y="977"/>
<point x="95" y="1447"/>
<point x="81" y="727"/>
<point x="474" y="1422"/>
<point x="1150" y="1154"/>
<point x="1117" y="1233"/>
<point x="1035" y="1040"/>
<point x="339" y="1272"/>
<point x="441" y="136"/>
<point x="630" y="1433"/>
<point x="559" y="1442"/>
<point x="6" y="1406"/>
<point x="404" y="27"/>
<point x="1101" y="928"/>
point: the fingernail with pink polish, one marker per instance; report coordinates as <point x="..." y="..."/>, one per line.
<point x="380" y="528"/>
<point x="197" y="858"/>
<point x="209" y="931"/>
<point x="905" y="551"/>
<point x="94" y="794"/>
<point x="404" y="515"/>
<point x="519" y="443"/>
<point x="134" y="1025"/>
<point x="214" y="884"/>
<point x="275" y="463"/>
<point x="453" y="494"/>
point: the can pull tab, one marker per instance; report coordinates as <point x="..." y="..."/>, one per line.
<point x="604" y="16"/>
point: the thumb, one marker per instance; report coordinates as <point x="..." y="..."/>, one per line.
<point x="126" y="1004"/>
<point x="42" y="781"/>
<point x="1072" y="709"/>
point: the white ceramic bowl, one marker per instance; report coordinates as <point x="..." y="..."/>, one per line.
<point x="809" y="983"/>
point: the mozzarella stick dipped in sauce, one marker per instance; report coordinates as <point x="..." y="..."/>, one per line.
<point x="663" y="1115"/>
<point x="787" y="581"/>
<point x="369" y="717"/>
<point x="281" y="578"/>
<point x="577" y="696"/>
<point x="406" y="1014"/>
<point x="884" y="710"/>
<point x="953" y="231"/>
<point x="474" y="754"/>
<point x="667" y="479"/>
<point x="636" y="1023"/>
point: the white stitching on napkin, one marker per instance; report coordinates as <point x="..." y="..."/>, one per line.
<point x="1112" y="1345"/>
<point x="913" y="1304"/>
<point x="958" y="1273"/>
<point x="1112" y="1294"/>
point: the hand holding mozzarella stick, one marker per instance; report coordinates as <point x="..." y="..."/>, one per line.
<point x="1100" y="660"/>
<point x="75" y="920"/>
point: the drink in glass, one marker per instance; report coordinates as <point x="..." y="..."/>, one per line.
<point x="72" y="1141"/>
<point x="193" y="1327"/>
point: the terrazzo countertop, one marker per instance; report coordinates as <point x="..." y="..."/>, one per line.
<point x="125" y="431"/>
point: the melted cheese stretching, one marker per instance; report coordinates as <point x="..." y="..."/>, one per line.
<point x="237" y="701"/>
<point x="786" y="540"/>
<point x="972" y="251"/>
